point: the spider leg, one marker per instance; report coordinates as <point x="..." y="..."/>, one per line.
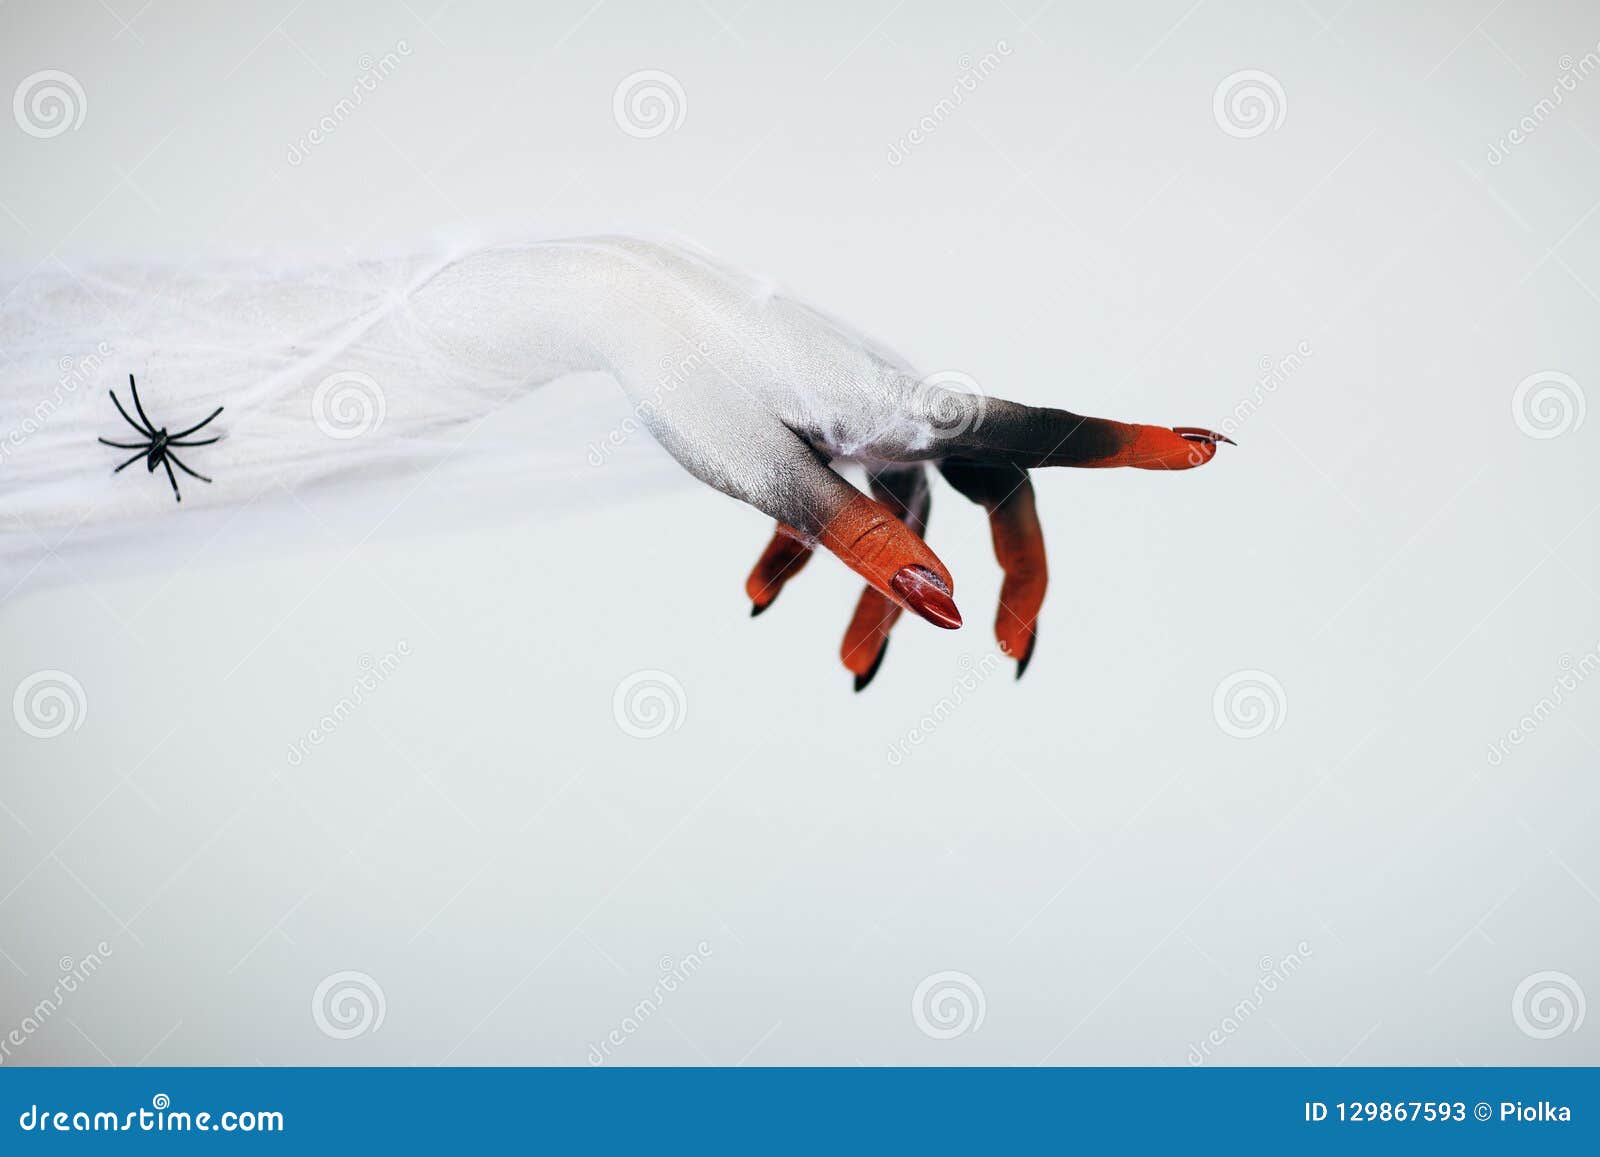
<point x="132" y="460"/>
<point x="175" y="459"/>
<point x="137" y="405"/>
<point x="198" y="425"/>
<point x="172" y="478"/>
<point x="122" y="445"/>
<point x="202" y="442"/>
<point x="115" y="402"/>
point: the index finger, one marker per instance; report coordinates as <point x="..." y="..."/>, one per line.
<point x="999" y="431"/>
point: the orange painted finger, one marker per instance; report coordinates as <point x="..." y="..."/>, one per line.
<point x="873" y="542"/>
<point x="801" y="490"/>
<point x="866" y="640"/>
<point x="906" y="493"/>
<point x="1033" y="436"/>
<point x="1007" y="494"/>
<point x="785" y="556"/>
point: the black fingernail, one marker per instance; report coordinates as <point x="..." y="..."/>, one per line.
<point x="866" y="676"/>
<point x="1027" y="656"/>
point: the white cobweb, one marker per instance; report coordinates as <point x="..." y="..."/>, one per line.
<point x="384" y="397"/>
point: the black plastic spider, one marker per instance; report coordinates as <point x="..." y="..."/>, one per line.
<point x="156" y="449"/>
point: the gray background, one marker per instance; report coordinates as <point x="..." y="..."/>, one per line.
<point x="1107" y="865"/>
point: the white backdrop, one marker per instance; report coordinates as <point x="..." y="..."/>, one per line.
<point x="1102" y="863"/>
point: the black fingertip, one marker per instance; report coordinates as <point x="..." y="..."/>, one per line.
<point x="1027" y="656"/>
<point x="757" y="608"/>
<point x="867" y="676"/>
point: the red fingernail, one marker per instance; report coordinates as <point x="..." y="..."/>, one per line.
<point x="925" y="594"/>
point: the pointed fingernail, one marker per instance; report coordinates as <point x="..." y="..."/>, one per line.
<point x="866" y="676"/>
<point x="757" y="608"/>
<point x="925" y="594"/>
<point x="1027" y="655"/>
<point x="1199" y="434"/>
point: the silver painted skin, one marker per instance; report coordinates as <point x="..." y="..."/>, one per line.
<point x="776" y="386"/>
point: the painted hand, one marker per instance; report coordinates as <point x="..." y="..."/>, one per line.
<point x="881" y="537"/>
<point x="772" y="394"/>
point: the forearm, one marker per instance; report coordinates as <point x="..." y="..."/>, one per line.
<point x="319" y="370"/>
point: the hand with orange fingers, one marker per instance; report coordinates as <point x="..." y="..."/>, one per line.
<point x="769" y="394"/>
<point x="881" y="537"/>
